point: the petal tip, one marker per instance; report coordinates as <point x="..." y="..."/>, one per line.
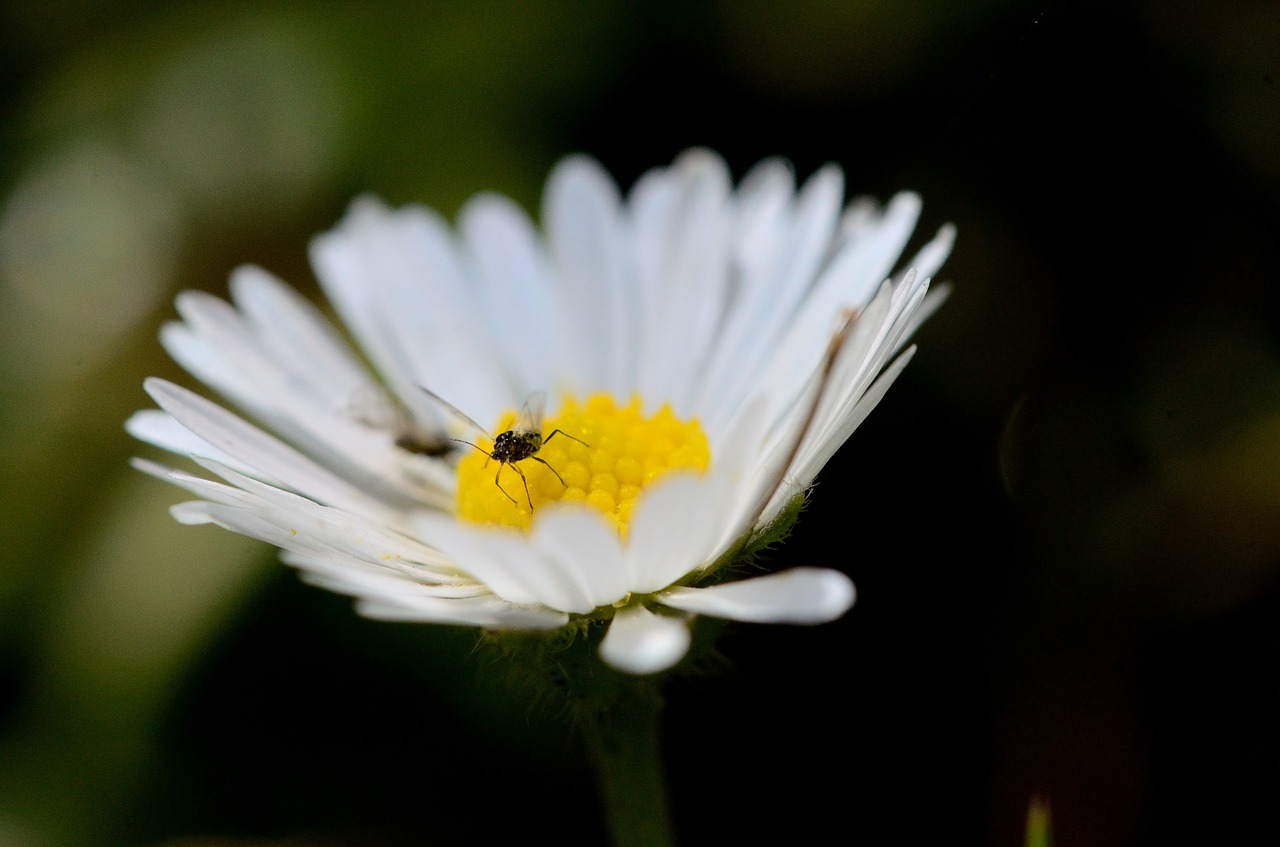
<point x="639" y="642"/>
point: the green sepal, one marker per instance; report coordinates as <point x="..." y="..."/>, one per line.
<point x="744" y="556"/>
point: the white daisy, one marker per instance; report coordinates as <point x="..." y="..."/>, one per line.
<point x="702" y="350"/>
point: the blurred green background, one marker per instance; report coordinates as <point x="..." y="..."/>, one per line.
<point x="1064" y="521"/>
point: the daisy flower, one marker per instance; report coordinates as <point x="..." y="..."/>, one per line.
<point x="665" y="372"/>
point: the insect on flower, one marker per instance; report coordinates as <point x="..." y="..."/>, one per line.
<point x="708" y="456"/>
<point x="522" y="441"/>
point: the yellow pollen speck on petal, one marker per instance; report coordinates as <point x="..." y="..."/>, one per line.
<point x="617" y="453"/>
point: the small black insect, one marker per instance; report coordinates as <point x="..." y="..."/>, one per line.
<point x="522" y="441"/>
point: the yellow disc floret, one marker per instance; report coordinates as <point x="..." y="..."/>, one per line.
<point x="603" y="454"/>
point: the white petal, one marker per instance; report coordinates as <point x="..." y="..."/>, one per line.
<point x="739" y="465"/>
<point x="487" y="612"/>
<point x="159" y="428"/>
<point x="353" y="290"/>
<point x="771" y="293"/>
<point x="296" y="332"/>
<point x="674" y="529"/>
<point x="382" y="539"/>
<point x="271" y="458"/>
<point x="931" y="256"/>
<point x="869" y="246"/>
<point x="860" y="374"/>
<point x="499" y="557"/>
<point x="389" y="596"/>
<point x="571" y="561"/>
<point x="763" y="196"/>
<point x="816" y="451"/>
<point x="768" y="479"/>
<point x="514" y="287"/>
<point x="851" y="282"/>
<point x="797" y="596"/>
<point x="681" y="224"/>
<point x="582" y="214"/>
<point x="640" y="642"/>
<point x="583" y="549"/>
<point x="306" y="396"/>
<point x="397" y="280"/>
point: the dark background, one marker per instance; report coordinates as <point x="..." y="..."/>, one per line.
<point x="1063" y="521"/>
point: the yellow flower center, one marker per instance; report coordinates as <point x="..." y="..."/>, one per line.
<point x="603" y="454"/>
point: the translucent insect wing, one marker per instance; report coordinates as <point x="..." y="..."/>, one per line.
<point x="374" y="407"/>
<point x="456" y="412"/>
<point x="530" y="418"/>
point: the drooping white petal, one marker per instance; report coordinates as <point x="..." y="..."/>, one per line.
<point x="795" y="596"/>
<point x="640" y="642"/>
<point x="207" y="488"/>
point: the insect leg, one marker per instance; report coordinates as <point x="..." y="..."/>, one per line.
<point x="498" y="476"/>
<point x="516" y="468"/>
<point x="556" y="432"/>
<point x="548" y="464"/>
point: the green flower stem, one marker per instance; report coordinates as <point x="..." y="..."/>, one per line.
<point x="617" y="716"/>
<point x="624" y="745"/>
